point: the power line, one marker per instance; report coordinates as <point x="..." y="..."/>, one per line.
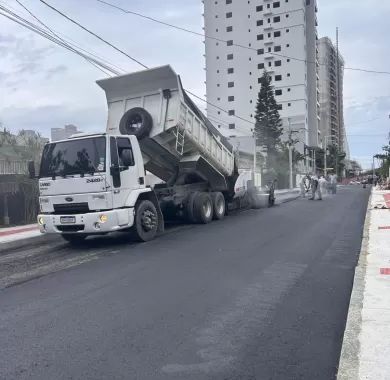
<point x="55" y="33"/>
<point x="5" y="12"/>
<point x="92" y="33"/>
<point x="127" y="11"/>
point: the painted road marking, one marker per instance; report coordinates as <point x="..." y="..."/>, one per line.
<point x="385" y="271"/>
<point x="384" y="228"/>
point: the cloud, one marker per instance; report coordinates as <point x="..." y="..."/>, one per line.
<point x="57" y="70"/>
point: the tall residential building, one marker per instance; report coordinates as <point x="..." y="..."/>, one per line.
<point x="277" y="36"/>
<point x="331" y="95"/>
<point x="63" y="133"/>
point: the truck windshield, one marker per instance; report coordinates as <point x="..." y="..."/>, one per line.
<point x="74" y="157"/>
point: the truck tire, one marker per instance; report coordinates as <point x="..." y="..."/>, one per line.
<point x="203" y="208"/>
<point x="145" y="221"/>
<point x="136" y="121"/>
<point x="219" y="205"/>
<point x="73" y="239"/>
<point x="190" y="207"/>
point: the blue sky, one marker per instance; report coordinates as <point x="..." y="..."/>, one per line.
<point x="44" y="86"/>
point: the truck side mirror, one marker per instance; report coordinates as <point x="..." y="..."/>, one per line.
<point x="31" y="169"/>
<point x="127" y="157"/>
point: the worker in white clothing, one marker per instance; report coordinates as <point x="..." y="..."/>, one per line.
<point x="333" y="183"/>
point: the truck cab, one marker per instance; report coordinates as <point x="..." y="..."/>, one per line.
<point x="90" y="184"/>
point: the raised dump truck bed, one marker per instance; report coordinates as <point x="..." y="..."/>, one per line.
<point x="177" y="141"/>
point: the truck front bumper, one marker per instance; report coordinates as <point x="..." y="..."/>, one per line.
<point x="89" y="223"/>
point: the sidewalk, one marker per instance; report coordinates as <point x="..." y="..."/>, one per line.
<point x="18" y="233"/>
<point x="366" y="345"/>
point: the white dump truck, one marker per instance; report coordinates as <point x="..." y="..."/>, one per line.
<point x="96" y="183"/>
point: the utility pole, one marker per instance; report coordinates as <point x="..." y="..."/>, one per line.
<point x="254" y="158"/>
<point x="290" y="157"/>
<point x="326" y="156"/>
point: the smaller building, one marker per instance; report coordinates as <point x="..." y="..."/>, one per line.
<point x="331" y="75"/>
<point x="63" y="133"/>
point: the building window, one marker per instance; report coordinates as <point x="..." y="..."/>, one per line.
<point x="269" y="49"/>
<point x="232" y="126"/>
<point x="278" y="92"/>
<point x="229" y="43"/>
<point x="259" y="22"/>
<point x="229" y="29"/>
<point x="278" y="63"/>
<point x="287" y="30"/>
<point x="287" y="15"/>
<point x="259" y="8"/>
<point x="251" y="101"/>
<point x="269" y="35"/>
<point x="288" y="59"/>
<point x="230" y="70"/>
<point x="277" y="19"/>
<point x="230" y="57"/>
<point x="269" y="64"/>
<point x="288" y="45"/>
<point x="277" y="48"/>
<point x="277" y="34"/>
<point x="260" y="37"/>
<point x="278" y="78"/>
<point x="268" y="6"/>
<point x="229" y="15"/>
<point x="260" y="51"/>
<point x="276" y="4"/>
<point x="217" y="57"/>
<point x="289" y="104"/>
<point x="228" y="1"/>
<point x="288" y="74"/>
<point x="230" y="98"/>
<point x="280" y="107"/>
<point x="230" y="84"/>
<point x="289" y="89"/>
<point x="231" y="113"/>
<point x="260" y="66"/>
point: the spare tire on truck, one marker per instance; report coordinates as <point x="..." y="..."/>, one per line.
<point x="136" y="121"/>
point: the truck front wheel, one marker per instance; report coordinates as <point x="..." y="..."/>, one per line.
<point x="219" y="205"/>
<point x="146" y="221"/>
<point x="203" y="208"/>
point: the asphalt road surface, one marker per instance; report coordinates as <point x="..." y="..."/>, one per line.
<point x="261" y="295"/>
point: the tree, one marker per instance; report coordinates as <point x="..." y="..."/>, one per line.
<point x="268" y="127"/>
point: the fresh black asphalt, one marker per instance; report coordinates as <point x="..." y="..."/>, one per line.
<point x="261" y="295"/>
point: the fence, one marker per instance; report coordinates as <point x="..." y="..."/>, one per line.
<point x="13" y="167"/>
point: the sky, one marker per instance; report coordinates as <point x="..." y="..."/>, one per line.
<point x="44" y="86"/>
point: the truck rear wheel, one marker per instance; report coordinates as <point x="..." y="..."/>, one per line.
<point x="203" y="208"/>
<point x="146" y="221"/>
<point x="74" y="239"/>
<point x="190" y="207"/>
<point x="219" y="205"/>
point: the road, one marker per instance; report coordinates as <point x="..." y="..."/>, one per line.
<point x="262" y="295"/>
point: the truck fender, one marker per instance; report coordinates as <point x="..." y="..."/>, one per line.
<point x="149" y="194"/>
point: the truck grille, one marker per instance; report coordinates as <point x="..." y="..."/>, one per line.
<point x="71" y="208"/>
<point x="72" y="228"/>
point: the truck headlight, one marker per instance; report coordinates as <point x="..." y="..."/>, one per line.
<point x="41" y="221"/>
<point x="103" y="218"/>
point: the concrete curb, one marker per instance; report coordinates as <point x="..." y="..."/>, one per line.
<point x="349" y="358"/>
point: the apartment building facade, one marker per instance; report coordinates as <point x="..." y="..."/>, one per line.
<point x="331" y="83"/>
<point x="257" y="35"/>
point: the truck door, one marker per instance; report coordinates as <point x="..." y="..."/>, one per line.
<point x="122" y="160"/>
